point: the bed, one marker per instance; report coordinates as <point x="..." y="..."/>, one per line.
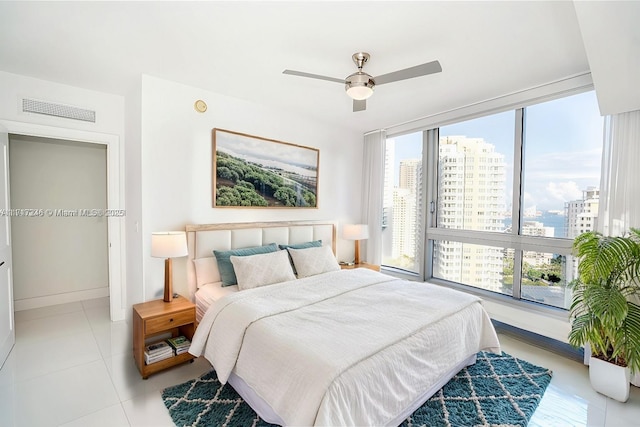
<point x="339" y="347"/>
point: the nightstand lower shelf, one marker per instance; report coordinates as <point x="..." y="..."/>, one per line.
<point x="155" y="318"/>
<point x="164" y="364"/>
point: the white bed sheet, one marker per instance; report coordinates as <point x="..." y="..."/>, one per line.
<point x="267" y="413"/>
<point x="309" y="326"/>
<point x="209" y="293"/>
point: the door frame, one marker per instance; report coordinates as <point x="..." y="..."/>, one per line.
<point x="115" y="200"/>
<point x="6" y="343"/>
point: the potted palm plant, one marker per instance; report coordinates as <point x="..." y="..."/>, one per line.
<point x="605" y="312"/>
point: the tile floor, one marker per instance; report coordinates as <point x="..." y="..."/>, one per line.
<point x="71" y="366"/>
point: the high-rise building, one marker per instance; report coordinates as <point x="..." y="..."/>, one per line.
<point x="389" y="184"/>
<point x="471" y="196"/>
<point x="581" y="215"/>
<point x="387" y="202"/>
<point x="410" y="174"/>
<point x="407" y="210"/>
<point x="404" y="223"/>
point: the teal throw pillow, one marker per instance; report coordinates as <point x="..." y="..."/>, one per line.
<point x="227" y="273"/>
<point x="305" y="245"/>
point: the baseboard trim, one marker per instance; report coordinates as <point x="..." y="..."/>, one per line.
<point x="550" y="344"/>
<point x="67" y="297"/>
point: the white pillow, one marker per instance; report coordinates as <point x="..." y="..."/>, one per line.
<point x="312" y="261"/>
<point x="262" y="269"/>
<point x="206" y="270"/>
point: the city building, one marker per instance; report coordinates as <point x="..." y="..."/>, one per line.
<point x="404" y="224"/>
<point x="404" y="209"/>
<point x="581" y="215"/>
<point x="471" y="197"/>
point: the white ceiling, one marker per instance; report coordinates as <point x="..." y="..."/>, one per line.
<point x="240" y="49"/>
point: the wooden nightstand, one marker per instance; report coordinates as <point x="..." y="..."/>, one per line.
<point x="157" y="317"/>
<point x="361" y="265"/>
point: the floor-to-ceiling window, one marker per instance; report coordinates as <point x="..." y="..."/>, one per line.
<point x="503" y="196"/>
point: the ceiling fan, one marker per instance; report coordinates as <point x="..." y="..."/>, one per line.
<point x="359" y="85"/>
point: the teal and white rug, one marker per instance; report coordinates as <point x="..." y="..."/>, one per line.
<point x="497" y="391"/>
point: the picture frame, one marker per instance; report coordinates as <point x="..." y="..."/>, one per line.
<point x="252" y="171"/>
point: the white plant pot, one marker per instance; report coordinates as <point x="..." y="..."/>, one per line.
<point x="609" y="379"/>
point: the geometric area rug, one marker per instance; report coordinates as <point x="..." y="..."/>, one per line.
<point x="498" y="390"/>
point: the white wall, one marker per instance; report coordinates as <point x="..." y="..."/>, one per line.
<point x="54" y="254"/>
<point x="177" y="164"/>
<point x="552" y="326"/>
<point x="133" y="196"/>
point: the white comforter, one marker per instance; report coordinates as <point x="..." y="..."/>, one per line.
<point x="351" y="347"/>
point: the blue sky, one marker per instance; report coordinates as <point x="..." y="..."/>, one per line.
<point x="563" y="147"/>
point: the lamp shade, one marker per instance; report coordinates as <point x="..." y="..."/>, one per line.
<point x="169" y="244"/>
<point x="355" y="231"/>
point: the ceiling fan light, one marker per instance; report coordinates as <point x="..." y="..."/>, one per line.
<point x="359" y="92"/>
<point x="359" y="86"/>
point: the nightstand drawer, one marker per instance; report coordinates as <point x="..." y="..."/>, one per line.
<point x="168" y="321"/>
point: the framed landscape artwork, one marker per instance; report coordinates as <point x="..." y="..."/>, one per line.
<point x="250" y="171"/>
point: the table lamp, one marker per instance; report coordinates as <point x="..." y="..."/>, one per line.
<point x="356" y="232"/>
<point x="167" y="245"/>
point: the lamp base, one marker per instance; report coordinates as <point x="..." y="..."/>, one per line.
<point x="168" y="286"/>
<point x="356" y="258"/>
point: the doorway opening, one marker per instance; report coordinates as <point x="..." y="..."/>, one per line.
<point x="58" y="193"/>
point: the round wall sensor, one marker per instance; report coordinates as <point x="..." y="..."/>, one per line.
<point x="200" y="106"/>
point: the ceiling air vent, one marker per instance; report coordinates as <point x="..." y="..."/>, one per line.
<point x="58" y="110"/>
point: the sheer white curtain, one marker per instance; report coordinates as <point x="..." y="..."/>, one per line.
<point x="620" y="186"/>
<point x="619" y="207"/>
<point x="372" y="193"/>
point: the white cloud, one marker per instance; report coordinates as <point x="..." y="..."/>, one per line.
<point x="564" y="191"/>
<point x="552" y="194"/>
<point x="568" y="190"/>
<point x="529" y="199"/>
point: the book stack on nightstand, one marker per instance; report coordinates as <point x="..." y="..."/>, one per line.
<point x="156" y="352"/>
<point x="179" y="344"/>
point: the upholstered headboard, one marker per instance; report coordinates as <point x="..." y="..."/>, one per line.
<point x="202" y="239"/>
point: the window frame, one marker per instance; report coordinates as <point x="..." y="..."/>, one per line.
<point x="520" y="243"/>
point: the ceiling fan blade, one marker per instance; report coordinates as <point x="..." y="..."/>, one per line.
<point x="409" y="73"/>
<point x="313" y="76"/>
<point x="359" y="105"/>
